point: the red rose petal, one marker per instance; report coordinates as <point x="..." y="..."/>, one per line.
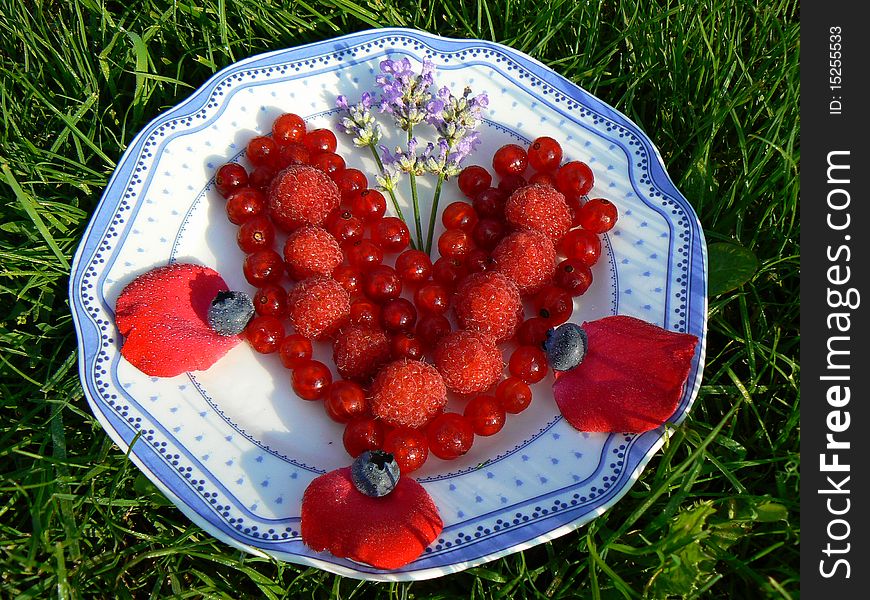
<point x="162" y="315"/>
<point x="631" y="379"/>
<point x="387" y="532"/>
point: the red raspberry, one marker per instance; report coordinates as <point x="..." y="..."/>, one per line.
<point x="319" y="306"/>
<point x="539" y="207"/>
<point x="360" y="351"/>
<point x="490" y="303"/>
<point x="310" y="251"/>
<point x="408" y="393"/>
<point x="301" y="194"/>
<point x="528" y="258"/>
<point x="469" y="361"/>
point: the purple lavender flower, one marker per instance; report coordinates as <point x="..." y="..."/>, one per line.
<point x="404" y="94"/>
<point x="359" y="122"/>
<point x="455" y="120"/>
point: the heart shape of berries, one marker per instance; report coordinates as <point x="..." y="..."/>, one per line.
<point x="384" y="308"/>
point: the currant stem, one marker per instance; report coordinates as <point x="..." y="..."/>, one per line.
<point x="414" y="198"/>
<point x="435" y="199"/>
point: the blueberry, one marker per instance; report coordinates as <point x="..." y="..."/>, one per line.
<point x="375" y="473"/>
<point x="565" y="346"/>
<point x="230" y="312"/>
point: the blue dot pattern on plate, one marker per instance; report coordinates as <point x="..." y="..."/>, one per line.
<point x="232" y="446"/>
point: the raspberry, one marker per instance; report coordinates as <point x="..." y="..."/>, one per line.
<point x="489" y="303"/>
<point x="528" y="258"/>
<point x="408" y="393"/>
<point x="310" y="251"/>
<point x="360" y="351"/>
<point x="469" y="361"/>
<point x="539" y="207"/>
<point x="319" y="306"/>
<point x="162" y="315"/>
<point x="301" y="194"/>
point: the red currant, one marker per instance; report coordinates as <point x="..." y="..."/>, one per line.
<point x="432" y="328"/>
<point x="543" y="179"/>
<point x="490" y="203"/>
<point x="485" y="414"/>
<point x="528" y="363"/>
<point x="256" y="234"/>
<point x="262" y="267"/>
<point x="409" y="448"/>
<point x="573" y="276"/>
<point x="574" y="179"/>
<point x="344" y="226"/>
<point x="382" y="283"/>
<point x="455" y="243"/>
<point x="545" y="154"/>
<point x="511" y="183"/>
<point x="582" y="245"/>
<point x="365" y="312"/>
<point x="320" y="140"/>
<point x="414" y="266"/>
<point x="473" y="179"/>
<point x="398" y="314"/>
<point x="262" y="176"/>
<point x="391" y="234"/>
<point x="262" y="151"/>
<point x="229" y="178"/>
<point x="288" y="129"/>
<point x="350" y="181"/>
<point x="328" y="162"/>
<point x="405" y="344"/>
<point x="311" y="379"/>
<point x="514" y="394"/>
<point x="533" y="332"/>
<point x="459" y="215"/>
<point x="479" y="260"/>
<point x="293" y="154"/>
<point x="349" y="277"/>
<point x="265" y="334"/>
<point x="598" y="215"/>
<point x="574" y="208"/>
<point x="363" y="254"/>
<point x="450" y="436"/>
<point x="368" y="205"/>
<point x="554" y="304"/>
<point x="363" y="434"/>
<point x="510" y="159"/>
<point x="488" y="233"/>
<point x="345" y="401"/>
<point x="448" y="271"/>
<point x="245" y="203"/>
<point x="433" y="298"/>
<point x="271" y="300"/>
<point x="294" y="350"/>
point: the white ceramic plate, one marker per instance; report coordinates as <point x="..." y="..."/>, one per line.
<point x="233" y="447"/>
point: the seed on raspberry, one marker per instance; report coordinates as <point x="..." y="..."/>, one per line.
<point x="408" y="393"/>
<point x="539" y="207"/>
<point x="301" y="194"/>
<point x="360" y="351"/>
<point x="489" y="303"/>
<point x="310" y="251"/>
<point x="319" y="306"/>
<point x="528" y="258"/>
<point x="470" y="362"/>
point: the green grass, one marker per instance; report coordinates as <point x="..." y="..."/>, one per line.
<point x="714" y="84"/>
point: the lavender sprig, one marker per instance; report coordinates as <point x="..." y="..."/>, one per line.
<point x="455" y="119"/>
<point x="367" y="132"/>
